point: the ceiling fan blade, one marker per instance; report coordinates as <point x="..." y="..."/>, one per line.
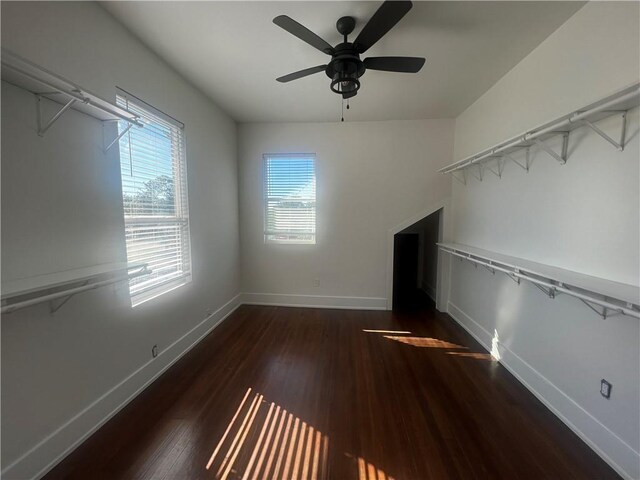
<point x="301" y="73"/>
<point x="394" y="64"/>
<point x="346" y="95"/>
<point x="389" y="13"/>
<point x="303" y="33"/>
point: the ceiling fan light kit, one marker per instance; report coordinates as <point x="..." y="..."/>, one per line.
<point x="346" y="67"/>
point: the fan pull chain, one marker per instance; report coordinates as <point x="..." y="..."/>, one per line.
<point x="342" y="120"/>
<point x="347" y="104"/>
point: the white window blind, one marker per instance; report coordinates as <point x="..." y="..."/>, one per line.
<point x="154" y="193"/>
<point x="290" y="198"/>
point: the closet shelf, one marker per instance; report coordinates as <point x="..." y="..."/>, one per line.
<point x="45" y="84"/>
<point x="494" y="158"/>
<point x="612" y="298"/>
<point x="25" y="292"/>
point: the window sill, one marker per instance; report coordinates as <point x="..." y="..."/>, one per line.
<point x="159" y="290"/>
<point x="290" y="242"/>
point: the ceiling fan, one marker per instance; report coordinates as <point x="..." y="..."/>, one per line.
<point x="345" y="67"/>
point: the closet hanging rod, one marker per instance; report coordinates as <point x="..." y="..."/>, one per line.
<point x="553" y="288"/>
<point x="626" y="99"/>
<point x="25" y="73"/>
<point x="73" y="291"/>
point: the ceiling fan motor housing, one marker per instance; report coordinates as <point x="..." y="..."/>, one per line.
<point x="345" y="68"/>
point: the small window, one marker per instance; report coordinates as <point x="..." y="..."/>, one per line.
<point x="290" y="198"/>
<point x="154" y="192"/>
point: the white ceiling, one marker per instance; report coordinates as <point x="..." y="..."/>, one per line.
<point x="233" y="52"/>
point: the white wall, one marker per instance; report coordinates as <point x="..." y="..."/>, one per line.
<point x="371" y="176"/>
<point x="583" y="216"/>
<point x="63" y="373"/>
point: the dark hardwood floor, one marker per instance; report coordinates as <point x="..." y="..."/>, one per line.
<point x="334" y="394"/>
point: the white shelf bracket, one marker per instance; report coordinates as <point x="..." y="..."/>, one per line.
<point x="549" y="292"/>
<point x="480" y="171"/>
<point x="525" y="167"/>
<point x="120" y="135"/>
<point x="604" y="313"/>
<point x="499" y="167"/>
<point x="489" y="267"/>
<point x="53" y="307"/>
<point x="43" y="128"/>
<point x="618" y="145"/>
<point x="462" y="180"/>
<point x="513" y="277"/>
<point x="562" y="157"/>
<point x="470" y="258"/>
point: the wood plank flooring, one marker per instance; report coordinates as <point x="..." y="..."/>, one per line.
<point x="334" y="394"/>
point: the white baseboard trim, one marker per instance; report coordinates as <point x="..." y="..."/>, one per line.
<point x="611" y="448"/>
<point x="47" y="453"/>
<point x="314" y="301"/>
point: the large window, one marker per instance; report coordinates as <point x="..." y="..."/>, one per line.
<point x="154" y="194"/>
<point x="290" y="198"/>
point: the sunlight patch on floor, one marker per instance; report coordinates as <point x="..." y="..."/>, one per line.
<point x="495" y="343"/>
<point x="397" y="332"/>
<point x="368" y="471"/>
<point x="424" y="342"/>
<point x="403" y="336"/>
<point x="264" y="441"/>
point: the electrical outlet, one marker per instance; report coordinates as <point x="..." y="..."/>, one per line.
<point x="154" y="351"/>
<point x="316" y="282"/>
<point x="605" y="388"/>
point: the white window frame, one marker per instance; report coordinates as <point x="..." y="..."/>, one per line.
<point x="180" y="219"/>
<point x="265" y="199"/>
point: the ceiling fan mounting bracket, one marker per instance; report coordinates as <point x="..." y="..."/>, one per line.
<point x="345" y="25"/>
